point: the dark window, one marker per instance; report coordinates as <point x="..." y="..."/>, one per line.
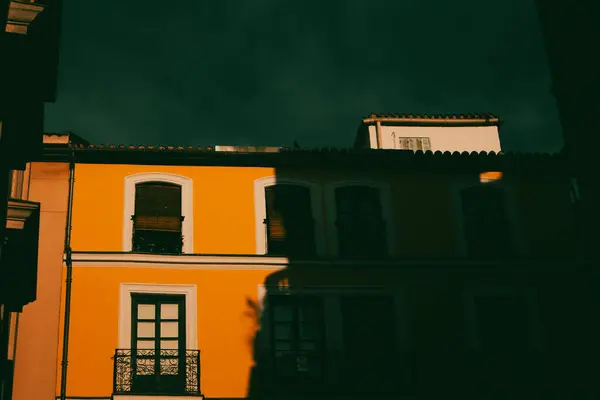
<point x="297" y="337"/>
<point x="360" y="226"/>
<point x="158" y="343"/>
<point x="370" y="361"/>
<point x="289" y="223"/>
<point x="157" y="221"/>
<point x="502" y="323"/>
<point x="486" y="224"/>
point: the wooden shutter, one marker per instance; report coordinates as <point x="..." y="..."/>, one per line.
<point x="276" y="226"/>
<point x="158" y="207"/>
<point x="289" y="218"/>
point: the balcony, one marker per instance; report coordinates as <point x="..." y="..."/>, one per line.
<point x="161" y="235"/>
<point x="136" y="374"/>
<point x="18" y="270"/>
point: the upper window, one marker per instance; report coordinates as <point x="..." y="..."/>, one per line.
<point x="157" y="221"/>
<point x="158" y="213"/>
<point x="360" y="226"/>
<point x="288" y="217"/>
<point x="289" y="223"/>
<point x="487" y="228"/>
<point x="414" y="143"/>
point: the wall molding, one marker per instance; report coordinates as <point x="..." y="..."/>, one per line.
<point x="232" y="261"/>
<point x="191" y="310"/>
<point x="187" y="205"/>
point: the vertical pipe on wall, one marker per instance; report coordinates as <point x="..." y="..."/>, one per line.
<point x="378" y="134"/>
<point x="69" y="265"/>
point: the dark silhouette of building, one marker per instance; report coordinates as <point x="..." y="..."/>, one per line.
<point x="569" y="32"/>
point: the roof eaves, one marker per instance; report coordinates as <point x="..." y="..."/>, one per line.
<point x="476" y="118"/>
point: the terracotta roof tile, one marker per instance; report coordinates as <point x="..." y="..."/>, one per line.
<point x="478" y="115"/>
<point x="305" y="150"/>
<point x="469" y="118"/>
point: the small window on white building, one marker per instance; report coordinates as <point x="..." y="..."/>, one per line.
<point x="414" y="143"/>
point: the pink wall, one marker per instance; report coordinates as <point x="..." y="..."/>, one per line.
<point x="38" y="324"/>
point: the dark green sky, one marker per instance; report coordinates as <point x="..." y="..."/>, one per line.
<point x="268" y="72"/>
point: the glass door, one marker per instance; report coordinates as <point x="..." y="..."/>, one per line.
<point x="158" y="343"/>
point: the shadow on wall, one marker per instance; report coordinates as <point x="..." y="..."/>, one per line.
<point x="378" y="327"/>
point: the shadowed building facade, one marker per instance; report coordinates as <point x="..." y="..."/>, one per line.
<point x="569" y="33"/>
<point x="270" y="273"/>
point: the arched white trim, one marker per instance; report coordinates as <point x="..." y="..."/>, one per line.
<point x="187" y="205"/>
<point x="191" y="310"/>
<point x="260" y="210"/>
<point x="385" y="196"/>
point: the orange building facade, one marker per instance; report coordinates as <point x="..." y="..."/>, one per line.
<point x="264" y="274"/>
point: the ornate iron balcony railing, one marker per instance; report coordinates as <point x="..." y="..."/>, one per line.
<point x="148" y="372"/>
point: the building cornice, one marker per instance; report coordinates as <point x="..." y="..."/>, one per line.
<point x="21" y="14"/>
<point x="352" y="159"/>
<point x="478" y="119"/>
<point x="264" y="262"/>
<point x="19" y="212"/>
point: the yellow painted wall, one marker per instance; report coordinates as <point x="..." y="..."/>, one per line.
<point x="226" y="325"/>
<point x="223" y="206"/>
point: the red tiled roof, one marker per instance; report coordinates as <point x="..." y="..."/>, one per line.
<point x="300" y="157"/>
<point x="481" y="117"/>
<point x="122" y="148"/>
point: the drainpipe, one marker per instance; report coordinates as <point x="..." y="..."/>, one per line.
<point x="378" y="133"/>
<point x="69" y="263"/>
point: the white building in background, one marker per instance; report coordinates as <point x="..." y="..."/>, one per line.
<point x="464" y="132"/>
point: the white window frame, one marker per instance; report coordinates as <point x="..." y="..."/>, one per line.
<point x="191" y="310"/>
<point x="512" y="214"/>
<point x="187" y="206"/>
<point x="260" y="210"/>
<point x="533" y="315"/>
<point x="385" y="197"/>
